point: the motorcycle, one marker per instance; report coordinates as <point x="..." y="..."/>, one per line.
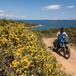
<point x="62" y="47"/>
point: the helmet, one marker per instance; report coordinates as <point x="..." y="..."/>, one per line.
<point x="62" y="29"/>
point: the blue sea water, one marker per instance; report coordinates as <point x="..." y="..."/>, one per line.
<point x="47" y="24"/>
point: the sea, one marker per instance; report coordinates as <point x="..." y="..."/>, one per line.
<point x="48" y="24"/>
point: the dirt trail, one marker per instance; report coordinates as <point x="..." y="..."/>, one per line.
<point x="69" y="65"/>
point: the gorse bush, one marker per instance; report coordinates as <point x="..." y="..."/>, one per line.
<point x="22" y="53"/>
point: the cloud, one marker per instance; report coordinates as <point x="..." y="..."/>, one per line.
<point x="8" y="15"/>
<point x="11" y="16"/>
<point x="52" y="7"/>
<point x="21" y="17"/>
<point x="1" y="14"/>
<point x="71" y="6"/>
<point x="2" y="11"/>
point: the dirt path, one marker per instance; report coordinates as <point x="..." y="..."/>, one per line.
<point x="68" y="64"/>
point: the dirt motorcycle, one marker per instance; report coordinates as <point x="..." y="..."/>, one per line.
<point x="62" y="47"/>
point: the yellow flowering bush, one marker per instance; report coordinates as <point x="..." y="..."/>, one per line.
<point x="26" y="55"/>
<point x="15" y="63"/>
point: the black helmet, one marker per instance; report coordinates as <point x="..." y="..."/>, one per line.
<point x="62" y="29"/>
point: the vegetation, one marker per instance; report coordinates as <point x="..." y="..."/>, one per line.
<point x="5" y="22"/>
<point x="22" y="52"/>
<point x="52" y="33"/>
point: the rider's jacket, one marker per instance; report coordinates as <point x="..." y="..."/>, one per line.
<point x="62" y="34"/>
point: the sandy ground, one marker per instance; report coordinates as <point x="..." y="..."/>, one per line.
<point x="69" y="65"/>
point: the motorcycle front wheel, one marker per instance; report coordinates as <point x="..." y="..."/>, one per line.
<point x="66" y="53"/>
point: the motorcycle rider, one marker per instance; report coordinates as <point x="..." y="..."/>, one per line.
<point x="61" y="33"/>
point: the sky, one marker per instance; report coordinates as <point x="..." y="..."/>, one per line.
<point x="38" y="9"/>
